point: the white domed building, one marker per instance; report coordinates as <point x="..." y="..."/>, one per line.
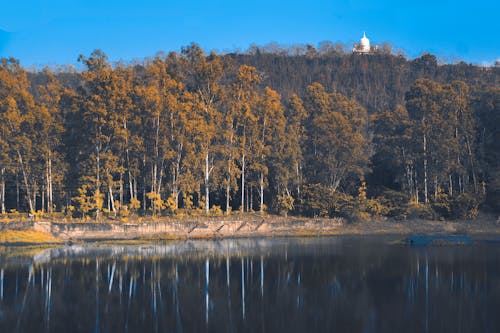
<point x="364" y="46"/>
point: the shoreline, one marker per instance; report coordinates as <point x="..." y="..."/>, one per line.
<point x="29" y="233"/>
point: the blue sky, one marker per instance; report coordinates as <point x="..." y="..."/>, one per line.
<point x="55" y="32"/>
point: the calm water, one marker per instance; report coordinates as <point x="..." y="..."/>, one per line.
<point x="273" y="285"/>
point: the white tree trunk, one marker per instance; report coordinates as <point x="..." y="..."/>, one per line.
<point x="207" y="178"/>
<point x="243" y="183"/>
<point x="111" y="199"/>
<point x="26" y="183"/>
<point x="2" y="191"/>
<point x="261" y="192"/>
<point x="426" y="200"/>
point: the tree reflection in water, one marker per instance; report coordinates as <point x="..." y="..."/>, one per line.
<point x="297" y="285"/>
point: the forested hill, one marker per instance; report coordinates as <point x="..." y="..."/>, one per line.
<point x="377" y="81"/>
<point x="314" y="133"/>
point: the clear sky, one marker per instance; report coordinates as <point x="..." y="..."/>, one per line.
<point x="55" y="32"/>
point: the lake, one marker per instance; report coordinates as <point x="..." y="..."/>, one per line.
<point x="329" y="284"/>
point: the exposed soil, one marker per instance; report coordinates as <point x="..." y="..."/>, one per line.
<point x="250" y="226"/>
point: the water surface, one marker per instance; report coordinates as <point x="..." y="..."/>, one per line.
<point x="338" y="284"/>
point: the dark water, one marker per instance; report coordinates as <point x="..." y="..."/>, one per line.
<point x="275" y="285"/>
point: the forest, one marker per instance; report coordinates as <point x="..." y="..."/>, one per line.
<point x="313" y="132"/>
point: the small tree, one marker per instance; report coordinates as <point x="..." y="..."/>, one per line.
<point x="134" y="205"/>
<point x="157" y="203"/>
<point x="83" y="201"/>
<point x="284" y="203"/>
<point x="171" y="204"/>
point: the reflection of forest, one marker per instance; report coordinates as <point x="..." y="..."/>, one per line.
<point x="345" y="285"/>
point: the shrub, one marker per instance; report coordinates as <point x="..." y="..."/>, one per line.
<point x="134" y="204"/>
<point x="420" y="211"/>
<point x="216" y="211"/>
<point x="464" y="206"/>
<point x="171" y="204"/>
<point x="284" y="203"/>
<point x="441" y="204"/>
<point x="393" y="203"/>
<point x="157" y="203"/>
<point x="314" y="200"/>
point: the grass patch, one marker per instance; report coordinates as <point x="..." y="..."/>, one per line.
<point x="26" y="237"/>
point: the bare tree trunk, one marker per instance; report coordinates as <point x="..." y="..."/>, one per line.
<point x="228" y="185"/>
<point x="17" y="190"/>
<point x="425" y="170"/>
<point x="207" y="190"/>
<point x="299" y="178"/>
<point x="26" y="183"/>
<point x="261" y="192"/>
<point x="243" y="183"/>
<point x="50" y="192"/>
<point x="436" y="187"/>
<point x="98" y="181"/>
<point x="144" y="197"/>
<point x="2" y="191"/>
<point x="175" y="185"/>
<point x="131" y="186"/>
<point x="158" y="183"/>
<point x="153" y="178"/>
<point x="109" y="202"/>
<point x="111" y="199"/>
<point x="471" y="159"/>
<point x="121" y="191"/>
<point x="46" y="189"/>
<point x="157" y="155"/>
<point x="416" y="187"/>
<point x="450" y="189"/>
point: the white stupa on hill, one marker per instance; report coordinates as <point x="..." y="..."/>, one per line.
<point x="364" y="46"/>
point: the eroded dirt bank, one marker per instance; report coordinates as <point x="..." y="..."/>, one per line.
<point x="260" y="227"/>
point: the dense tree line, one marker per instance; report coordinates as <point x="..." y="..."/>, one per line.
<point x="193" y="132"/>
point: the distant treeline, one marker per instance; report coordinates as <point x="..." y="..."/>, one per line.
<point x="315" y="133"/>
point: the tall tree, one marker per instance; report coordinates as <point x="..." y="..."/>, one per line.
<point x="270" y="145"/>
<point x="423" y="108"/>
<point x="243" y="103"/>
<point x="50" y="125"/>
<point x="205" y="75"/>
<point x="339" y="145"/>
<point x="17" y="122"/>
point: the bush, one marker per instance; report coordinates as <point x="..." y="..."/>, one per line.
<point x="420" y="211"/>
<point x="393" y="203"/>
<point x="441" y="205"/>
<point x="315" y="200"/>
<point x="216" y="211"/>
<point x="464" y="206"/>
<point x="134" y="204"/>
<point x="284" y="203"/>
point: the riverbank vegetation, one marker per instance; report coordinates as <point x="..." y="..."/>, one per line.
<point x="320" y="133"/>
